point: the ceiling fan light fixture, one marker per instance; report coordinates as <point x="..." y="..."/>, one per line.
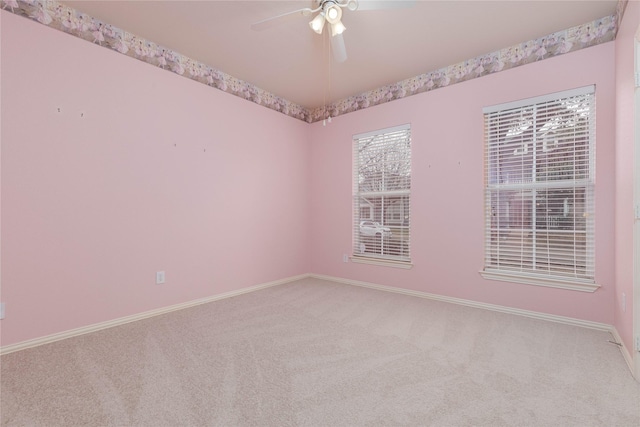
<point x="317" y="23"/>
<point x="333" y="13"/>
<point x="337" y="28"/>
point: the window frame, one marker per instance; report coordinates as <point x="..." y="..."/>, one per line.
<point x="530" y="275"/>
<point x="396" y="252"/>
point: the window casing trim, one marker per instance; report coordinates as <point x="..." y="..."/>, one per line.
<point x="385" y="262"/>
<point x="382" y="197"/>
<point x="586" y="283"/>
<point x="540" y="99"/>
<point x="539" y="280"/>
<point x="382" y="131"/>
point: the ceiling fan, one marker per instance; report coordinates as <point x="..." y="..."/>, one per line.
<point x="330" y="11"/>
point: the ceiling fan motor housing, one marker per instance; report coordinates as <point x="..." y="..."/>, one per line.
<point x="337" y="4"/>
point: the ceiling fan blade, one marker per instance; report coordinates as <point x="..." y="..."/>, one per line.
<point x="338" y="48"/>
<point x="276" y="20"/>
<point x="382" y="4"/>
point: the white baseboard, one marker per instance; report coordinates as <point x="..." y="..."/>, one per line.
<point x="475" y="304"/>
<point x="623" y="349"/>
<point x="498" y="308"/>
<point x="122" y="320"/>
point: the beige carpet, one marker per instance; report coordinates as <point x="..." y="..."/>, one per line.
<point x="324" y="354"/>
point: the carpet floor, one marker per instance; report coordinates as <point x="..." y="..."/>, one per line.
<point x="318" y="353"/>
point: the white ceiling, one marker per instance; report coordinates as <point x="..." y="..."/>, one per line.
<point x="383" y="46"/>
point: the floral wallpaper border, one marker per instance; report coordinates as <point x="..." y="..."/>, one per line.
<point x="576" y="38"/>
<point x="69" y="20"/>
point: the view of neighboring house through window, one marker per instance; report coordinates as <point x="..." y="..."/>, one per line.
<point x="539" y="189"/>
<point x="382" y="194"/>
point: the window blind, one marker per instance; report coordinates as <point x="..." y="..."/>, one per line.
<point x="539" y="187"/>
<point x="382" y="194"/>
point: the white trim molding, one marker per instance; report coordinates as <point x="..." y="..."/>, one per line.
<point x="140" y="316"/>
<point x="497" y="308"/>
<point x="624" y="350"/>
<point x="469" y="303"/>
<point x="549" y="282"/>
<point x="382" y="262"/>
<point x="540" y="99"/>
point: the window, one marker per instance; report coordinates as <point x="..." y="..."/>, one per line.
<point x="381" y="194"/>
<point x="539" y="190"/>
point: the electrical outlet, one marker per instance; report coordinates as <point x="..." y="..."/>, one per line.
<point x="345" y="258"/>
<point x="638" y="343"/>
<point x="160" y="277"/>
<point x="1" y="310"/>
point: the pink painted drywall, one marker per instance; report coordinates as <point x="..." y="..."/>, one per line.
<point x="447" y="216"/>
<point x="142" y="170"/>
<point x="625" y="141"/>
<point x="113" y="169"/>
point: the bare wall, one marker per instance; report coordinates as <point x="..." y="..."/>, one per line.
<point x="113" y="169"/>
<point x="625" y="142"/>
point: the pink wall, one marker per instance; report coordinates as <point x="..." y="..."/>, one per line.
<point x="143" y="170"/>
<point x="447" y="187"/>
<point x="161" y="173"/>
<point x="625" y="133"/>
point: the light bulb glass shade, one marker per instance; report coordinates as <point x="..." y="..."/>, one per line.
<point x="317" y="23"/>
<point x="333" y="13"/>
<point x="337" y="28"/>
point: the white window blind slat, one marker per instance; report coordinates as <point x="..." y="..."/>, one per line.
<point x="539" y="186"/>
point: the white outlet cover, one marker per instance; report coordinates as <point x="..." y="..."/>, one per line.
<point x="160" y="277"/>
<point x="1" y="310"/>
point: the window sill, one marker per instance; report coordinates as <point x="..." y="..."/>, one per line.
<point x="382" y="262"/>
<point x="573" y="285"/>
